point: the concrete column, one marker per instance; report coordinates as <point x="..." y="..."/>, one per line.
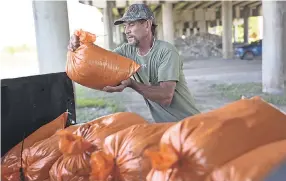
<point x="203" y="26"/>
<point x="108" y="26"/>
<point x="180" y="28"/>
<point x="274" y="46"/>
<point x="227" y="30"/>
<point x="245" y="24"/>
<point x="118" y="35"/>
<point x="167" y="20"/>
<point x="195" y="30"/>
<point x="188" y="32"/>
<point x="160" y="34"/>
<point x="217" y="26"/>
<point x="52" y="35"/>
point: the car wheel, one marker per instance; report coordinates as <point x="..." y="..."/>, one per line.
<point x="248" y="56"/>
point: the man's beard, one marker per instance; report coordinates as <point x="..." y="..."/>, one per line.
<point x="134" y="43"/>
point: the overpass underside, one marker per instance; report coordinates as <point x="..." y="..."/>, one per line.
<point x="176" y="18"/>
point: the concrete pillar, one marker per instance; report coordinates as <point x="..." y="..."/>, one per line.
<point x="118" y="35"/>
<point x="160" y="34"/>
<point x="52" y="35"/>
<point x="227" y="49"/>
<point x="245" y="24"/>
<point x="235" y="29"/>
<point x="195" y="30"/>
<point x="167" y="20"/>
<point x="188" y="32"/>
<point x="180" y="28"/>
<point x="217" y="26"/>
<point x="274" y="46"/>
<point x="203" y="26"/>
<point x="108" y="25"/>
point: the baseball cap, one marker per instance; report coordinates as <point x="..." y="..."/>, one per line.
<point x="137" y="12"/>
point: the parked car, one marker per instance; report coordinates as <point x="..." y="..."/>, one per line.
<point x="249" y="51"/>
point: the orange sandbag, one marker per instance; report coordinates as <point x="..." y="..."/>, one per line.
<point x="39" y="158"/>
<point x="97" y="130"/>
<point x="122" y="157"/>
<point x="73" y="165"/>
<point x="95" y="67"/>
<point x="191" y="149"/>
<point x="10" y="162"/>
<point x="254" y="165"/>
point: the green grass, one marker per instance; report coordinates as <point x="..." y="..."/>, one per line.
<point x="91" y="104"/>
<point x="235" y="91"/>
<point x="97" y="103"/>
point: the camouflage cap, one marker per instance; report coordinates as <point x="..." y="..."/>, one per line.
<point x="136" y="12"/>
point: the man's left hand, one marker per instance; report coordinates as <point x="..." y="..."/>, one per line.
<point x="120" y="88"/>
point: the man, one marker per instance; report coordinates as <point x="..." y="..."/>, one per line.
<point x="160" y="80"/>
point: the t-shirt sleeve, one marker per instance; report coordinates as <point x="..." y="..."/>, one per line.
<point x="170" y="66"/>
<point x="119" y="50"/>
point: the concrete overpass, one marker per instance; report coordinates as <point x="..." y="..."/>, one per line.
<point x="177" y="17"/>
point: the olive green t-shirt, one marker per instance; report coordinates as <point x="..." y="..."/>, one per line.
<point x="162" y="63"/>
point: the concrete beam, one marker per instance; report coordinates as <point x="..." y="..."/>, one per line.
<point x="52" y="34"/>
<point x="274" y="46"/>
<point x="254" y="5"/>
<point x="192" y="5"/>
<point x="207" y="4"/>
<point x="244" y="3"/>
<point x="120" y="3"/>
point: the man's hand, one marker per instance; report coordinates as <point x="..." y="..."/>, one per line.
<point x="120" y="88"/>
<point x="74" y="43"/>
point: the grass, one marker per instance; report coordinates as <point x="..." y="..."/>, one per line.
<point x="235" y="91"/>
<point x="91" y="104"/>
<point x="97" y="103"/>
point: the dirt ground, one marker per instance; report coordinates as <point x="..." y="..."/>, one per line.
<point x="201" y="76"/>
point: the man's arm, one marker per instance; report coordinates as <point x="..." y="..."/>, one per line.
<point x="168" y="75"/>
<point x="162" y="94"/>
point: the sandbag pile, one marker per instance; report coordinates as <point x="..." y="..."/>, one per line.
<point x="196" y="146"/>
<point x="96" y="67"/>
<point x="241" y="141"/>
<point x="200" y="45"/>
<point x="122" y="157"/>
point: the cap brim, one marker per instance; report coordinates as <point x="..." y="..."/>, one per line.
<point x="122" y="20"/>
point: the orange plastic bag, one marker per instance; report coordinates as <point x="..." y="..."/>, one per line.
<point x="73" y="165"/>
<point x="39" y="158"/>
<point x="95" y="67"/>
<point x="122" y="157"/>
<point x="254" y="165"/>
<point x="10" y="162"/>
<point x="191" y="149"/>
<point x="97" y="130"/>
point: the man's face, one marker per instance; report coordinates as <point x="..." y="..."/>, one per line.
<point x="135" y="31"/>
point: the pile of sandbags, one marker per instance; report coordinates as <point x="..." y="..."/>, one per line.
<point x="244" y="140"/>
<point x="219" y="141"/>
<point x="200" y="45"/>
<point x="96" y="67"/>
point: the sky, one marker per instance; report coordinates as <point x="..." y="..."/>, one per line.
<point x="17" y="23"/>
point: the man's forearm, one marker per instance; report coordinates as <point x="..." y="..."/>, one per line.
<point x="161" y="95"/>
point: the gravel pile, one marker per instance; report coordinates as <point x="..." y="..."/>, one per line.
<point x="200" y="45"/>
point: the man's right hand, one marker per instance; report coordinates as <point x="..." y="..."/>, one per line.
<point x="74" y="43"/>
